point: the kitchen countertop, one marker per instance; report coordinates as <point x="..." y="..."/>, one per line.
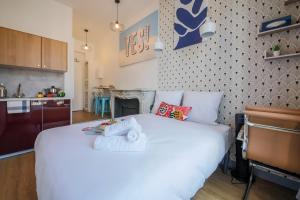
<point x="132" y="90"/>
<point x="35" y="99"/>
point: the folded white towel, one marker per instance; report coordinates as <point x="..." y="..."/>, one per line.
<point x="18" y="107"/>
<point x="133" y="135"/>
<point x="120" y="143"/>
<point x="122" y="127"/>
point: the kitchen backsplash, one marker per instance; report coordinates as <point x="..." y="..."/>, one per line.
<point x="32" y="81"/>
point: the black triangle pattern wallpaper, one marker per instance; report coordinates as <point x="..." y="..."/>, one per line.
<point x="233" y="59"/>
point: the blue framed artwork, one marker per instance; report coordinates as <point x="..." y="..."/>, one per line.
<point x="276" y="23"/>
<point x="136" y="42"/>
<point x="190" y="15"/>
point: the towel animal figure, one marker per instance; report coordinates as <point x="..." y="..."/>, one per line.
<point x="124" y="136"/>
<point x="122" y="127"/>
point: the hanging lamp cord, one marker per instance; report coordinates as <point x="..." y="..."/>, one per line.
<point x="86" y="41"/>
<point x="117" y="12"/>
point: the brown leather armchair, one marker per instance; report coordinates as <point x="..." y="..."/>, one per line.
<point x="272" y="138"/>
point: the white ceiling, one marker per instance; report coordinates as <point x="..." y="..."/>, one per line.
<point x="105" y="10"/>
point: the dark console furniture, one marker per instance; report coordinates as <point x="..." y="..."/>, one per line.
<point x="19" y="131"/>
<point x="241" y="171"/>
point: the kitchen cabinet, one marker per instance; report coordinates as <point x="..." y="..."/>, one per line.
<point x="20" y="49"/>
<point x="54" y="54"/>
<point x="19" y="131"/>
<point x="56" y="113"/>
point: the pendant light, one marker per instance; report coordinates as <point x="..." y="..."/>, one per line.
<point x="116" y="26"/>
<point x="86" y="47"/>
<point x="208" y="29"/>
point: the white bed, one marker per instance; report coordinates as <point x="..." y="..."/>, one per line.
<point x="180" y="156"/>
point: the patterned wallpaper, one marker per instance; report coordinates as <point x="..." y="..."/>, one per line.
<point x="232" y="60"/>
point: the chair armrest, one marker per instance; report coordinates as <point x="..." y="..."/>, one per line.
<point x="273" y="115"/>
<point x="273" y="110"/>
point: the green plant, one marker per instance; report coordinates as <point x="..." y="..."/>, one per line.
<point x="276" y="47"/>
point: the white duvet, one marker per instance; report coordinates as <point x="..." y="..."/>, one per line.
<point x="178" y="159"/>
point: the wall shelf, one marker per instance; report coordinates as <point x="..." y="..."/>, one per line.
<point x="283" y="56"/>
<point x="288" y="2"/>
<point x="278" y="30"/>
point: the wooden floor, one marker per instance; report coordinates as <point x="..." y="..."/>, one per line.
<point x="17" y="181"/>
<point x="219" y="187"/>
<point x="82" y="116"/>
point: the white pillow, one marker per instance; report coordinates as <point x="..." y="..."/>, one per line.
<point x="170" y="97"/>
<point x="205" y="105"/>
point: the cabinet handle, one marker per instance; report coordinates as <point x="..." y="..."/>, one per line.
<point x="38" y="65"/>
<point x="45" y="66"/>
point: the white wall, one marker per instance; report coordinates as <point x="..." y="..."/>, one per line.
<point x="106" y="53"/>
<point x="139" y="75"/>
<point x="143" y="74"/>
<point x="101" y="57"/>
<point x="94" y="67"/>
<point x="46" y="18"/>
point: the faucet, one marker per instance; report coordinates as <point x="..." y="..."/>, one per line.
<point x="19" y="94"/>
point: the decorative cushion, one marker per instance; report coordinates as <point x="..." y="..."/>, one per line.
<point x="164" y="109"/>
<point x="177" y="112"/>
<point x="205" y="105"/>
<point x="170" y="97"/>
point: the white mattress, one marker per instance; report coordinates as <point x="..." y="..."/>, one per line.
<point x="180" y="156"/>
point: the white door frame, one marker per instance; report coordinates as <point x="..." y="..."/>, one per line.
<point x="78" y="101"/>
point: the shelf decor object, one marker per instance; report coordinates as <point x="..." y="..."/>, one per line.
<point x="276" y="50"/>
<point x="278" y="30"/>
<point x="276" y="23"/>
<point x="288" y="2"/>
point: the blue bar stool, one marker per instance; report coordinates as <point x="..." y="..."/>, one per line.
<point x="105" y="105"/>
<point x="102" y="105"/>
<point x="97" y="105"/>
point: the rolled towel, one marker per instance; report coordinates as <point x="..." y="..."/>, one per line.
<point x="122" y="127"/>
<point x="120" y="144"/>
<point x="133" y="135"/>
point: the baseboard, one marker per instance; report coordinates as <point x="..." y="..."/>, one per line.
<point x="6" y="156"/>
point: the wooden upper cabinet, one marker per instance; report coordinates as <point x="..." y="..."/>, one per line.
<point x="20" y="49"/>
<point x="54" y="55"/>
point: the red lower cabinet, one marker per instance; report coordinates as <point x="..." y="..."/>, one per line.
<point x="56" y="113"/>
<point x="19" y="131"/>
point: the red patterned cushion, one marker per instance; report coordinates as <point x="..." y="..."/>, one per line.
<point x="164" y="109"/>
<point x="177" y="112"/>
<point x="180" y="112"/>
